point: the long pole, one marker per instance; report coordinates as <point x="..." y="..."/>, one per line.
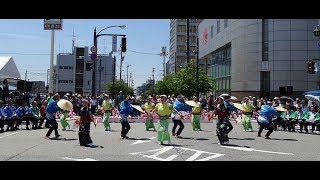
<point x="100" y="76"/>
<point x="128" y="75"/>
<point x="114" y="75"/>
<point x="25" y="80"/>
<point x="197" y="76"/>
<point x="94" y="64"/>
<point x="121" y="65"/>
<point x="188" y="45"/>
<point x="152" y="81"/>
<point x="164" y="65"/>
<point x="51" y="62"/>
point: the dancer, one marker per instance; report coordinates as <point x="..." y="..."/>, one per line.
<point x="246" y="115"/>
<point x="164" y="110"/>
<point x="223" y="111"/>
<point x="196" y="112"/>
<point x="265" y="116"/>
<point x="51" y="110"/>
<point x="178" y="106"/>
<point x="85" y="121"/>
<point x="63" y="120"/>
<point x="107" y="108"/>
<point x="125" y="111"/>
<point x="148" y="107"/>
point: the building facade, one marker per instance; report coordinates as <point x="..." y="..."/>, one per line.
<point x="178" y="43"/>
<point x="259" y="57"/>
<point x="73" y="72"/>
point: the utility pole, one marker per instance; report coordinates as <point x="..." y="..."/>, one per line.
<point x="197" y="76"/>
<point x="188" y="45"/>
<point x="164" y="53"/>
<point x="51" y="62"/>
<point x="25" y="80"/>
<point x="94" y="64"/>
<point x="130" y="80"/>
<point x="100" y="70"/>
<point x="152" y="81"/>
<point x="128" y="65"/>
<point x="114" y="75"/>
<point x="121" y="65"/>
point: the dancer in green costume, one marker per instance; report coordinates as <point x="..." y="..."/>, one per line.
<point x="107" y="107"/>
<point x="164" y="109"/>
<point x="148" y="107"/>
<point x="196" y="112"/>
<point x="246" y="116"/>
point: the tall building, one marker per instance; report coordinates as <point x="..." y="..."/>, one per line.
<point x="259" y="57"/>
<point x="178" y="43"/>
<point x="73" y="72"/>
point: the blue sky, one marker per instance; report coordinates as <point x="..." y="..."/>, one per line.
<point x="29" y="44"/>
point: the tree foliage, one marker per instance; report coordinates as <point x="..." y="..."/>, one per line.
<point x="119" y="85"/>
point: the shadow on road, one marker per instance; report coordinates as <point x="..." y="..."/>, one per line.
<point x="232" y="145"/>
<point x="283" y="139"/>
<point x="243" y="138"/>
<point x="130" y="138"/>
<point x="69" y="130"/>
<point x="63" y="139"/>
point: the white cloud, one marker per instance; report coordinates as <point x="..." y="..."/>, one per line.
<point x="19" y="35"/>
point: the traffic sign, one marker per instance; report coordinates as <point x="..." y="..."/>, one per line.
<point x="93" y="49"/>
<point x="52" y="24"/>
<point x="93" y="56"/>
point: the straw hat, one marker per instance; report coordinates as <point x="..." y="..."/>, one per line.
<point x="65" y="104"/>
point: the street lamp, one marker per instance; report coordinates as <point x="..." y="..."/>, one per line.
<point x="95" y="36"/>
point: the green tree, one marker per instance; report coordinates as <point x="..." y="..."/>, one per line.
<point x="186" y="82"/>
<point x="167" y="85"/>
<point x="119" y="85"/>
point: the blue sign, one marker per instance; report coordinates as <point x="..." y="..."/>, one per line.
<point x="93" y="56"/>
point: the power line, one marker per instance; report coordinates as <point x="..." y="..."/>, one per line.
<point x="158" y="54"/>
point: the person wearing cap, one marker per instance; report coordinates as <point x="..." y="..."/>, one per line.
<point x="125" y="111"/>
<point x="51" y="110"/>
<point x="86" y="118"/>
<point x="246" y="115"/>
<point x="266" y="114"/>
<point x="287" y="118"/>
<point x="148" y="107"/>
<point x="163" y="108"/>
<point x="224" y="127"/>
<point x="107" y="108"/>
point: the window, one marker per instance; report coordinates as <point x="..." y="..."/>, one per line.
<point x="225" y="23"/>
<point x="211" y="32"/>
<point x="218" y="26"/>
<point x="88" y="82"/>
<point x="265" y="81"/>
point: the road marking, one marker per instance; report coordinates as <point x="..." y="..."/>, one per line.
<point x="8" y="134"/>
<point x="75" y="159"/>
<point x="251" y="149"/>
<point x="143" y="141"/>
<point x="176" y="154"/>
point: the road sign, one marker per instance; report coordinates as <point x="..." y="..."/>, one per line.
<point x="93" y="49"/>
<point x="93" y="56"/>
<point x="52" y="24"/>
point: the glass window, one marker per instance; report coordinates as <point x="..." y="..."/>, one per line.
<point x="218" y="26"/>
<point x="225" y="23"/>
<point x="211" y="32"/>
<point x="228" y="83"/>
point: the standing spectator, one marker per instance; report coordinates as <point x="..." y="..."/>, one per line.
<point x="5" y="92"/>
<point x="203" y="102"/>
<point x="93" y="103"/>
<point x="51" y="110"/>
<point x="119" y="99"/>
<point x="43" y="114"/>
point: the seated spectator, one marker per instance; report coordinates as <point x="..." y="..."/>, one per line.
<point x="11" y="116"/>
<point x="23" y="113"/>
<point x="311" y="118"/>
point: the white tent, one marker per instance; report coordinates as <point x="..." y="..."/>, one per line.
<point x="8" y="68"/>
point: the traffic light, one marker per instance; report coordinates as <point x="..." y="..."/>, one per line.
<point x="124" y="44"/>
<point x="311" y="67"/>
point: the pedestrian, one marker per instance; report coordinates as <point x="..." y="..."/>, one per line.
<point x="5" y="92"/>
<point x="125" y="111"/>
<point x="86" y="118"/>
<point x="148" y="107"/>
<point x="265" y="116"/>
<point x="163" y="108"/>
<point x="51" y="110"/>
<point x="107" y="108"/>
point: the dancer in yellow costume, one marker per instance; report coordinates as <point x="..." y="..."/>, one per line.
<point x="246" y="116"/>
<point x="148" y="107"/>
<point x="196" y="112"/>
<point x="107" y="107"/>
<point x="164" y="109"/>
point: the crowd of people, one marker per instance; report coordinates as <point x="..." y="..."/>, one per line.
<point x="284" y="113"/>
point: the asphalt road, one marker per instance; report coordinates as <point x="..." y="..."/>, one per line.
<point x="203" y="145"/>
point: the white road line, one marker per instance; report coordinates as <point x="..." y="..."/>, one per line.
<point x="8" y="134"/>
<point x="174" y="154"/>
<point x="75" y="159"/>
<point x="143" y="141"/>
<point x="251" y="149"/>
